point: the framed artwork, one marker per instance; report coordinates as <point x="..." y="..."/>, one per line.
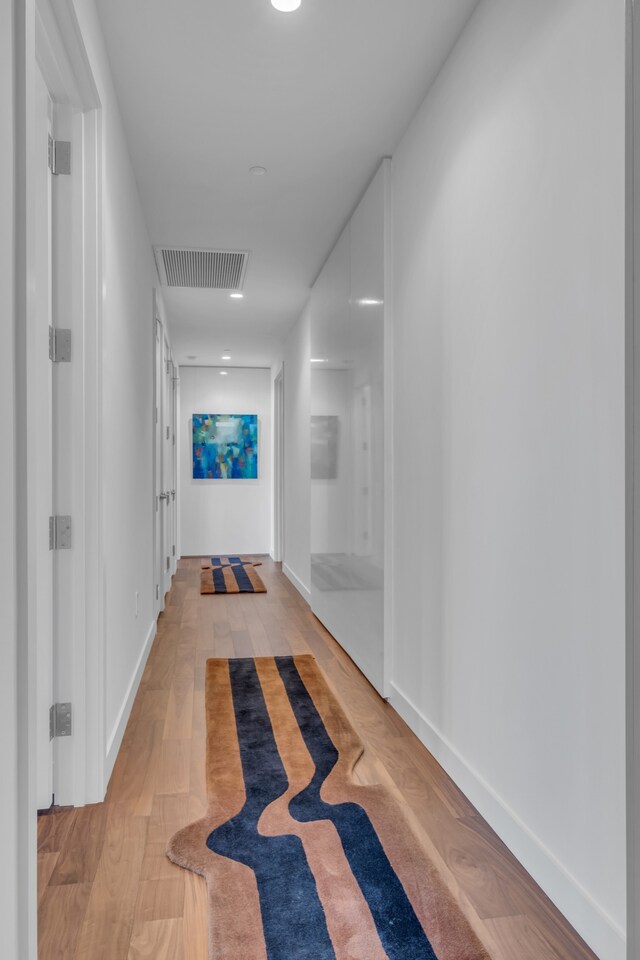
<point x="225" y="446"/>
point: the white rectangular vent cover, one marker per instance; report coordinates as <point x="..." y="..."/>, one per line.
<point x="211" y="269"/>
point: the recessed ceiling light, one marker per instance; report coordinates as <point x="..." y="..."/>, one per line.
<point x="370" y="303"/>
<point x="286" y="6"/>
<point x="319" y="360"/>
<point x="258" y="171"/>
<point x="192" y="356"/>
<point x="223" y="373"/>
<point x="237" y="296"/>
<point x="226" y="356"/>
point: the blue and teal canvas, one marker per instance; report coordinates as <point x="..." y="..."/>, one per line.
<point x="225" y="446"/>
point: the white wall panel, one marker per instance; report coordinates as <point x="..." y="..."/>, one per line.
<point x="296" y="564"/>
<point x="347" y="437"/>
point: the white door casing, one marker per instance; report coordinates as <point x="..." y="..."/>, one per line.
<point x="40" y="428"/>
<point x="157" y="471"/>
<point x="62" y="414"/>
<point x="165" y="495"/>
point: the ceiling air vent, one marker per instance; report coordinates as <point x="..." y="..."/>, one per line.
<point x="210" y="269"/>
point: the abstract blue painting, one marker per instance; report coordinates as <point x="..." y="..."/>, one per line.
<point x="225" y="446"/>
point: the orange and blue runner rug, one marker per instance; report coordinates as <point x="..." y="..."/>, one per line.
<point x="230" y="575"/>
<point x="301" y="862"/>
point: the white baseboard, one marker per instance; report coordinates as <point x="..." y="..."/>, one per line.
<point x="115" y="739"/>
<point x="595" y="926"/>
<point x="298" y="584"/>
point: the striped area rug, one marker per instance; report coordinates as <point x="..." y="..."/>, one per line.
<point x="301" y="862"/>
<point x="230" y="575"/>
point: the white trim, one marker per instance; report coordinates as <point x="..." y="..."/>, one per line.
<point x="62" y="58"/>
<point x="24" y="76"/>
<point x="592" y="923"/>
<point x="632" y="399"/>
<point x="298" y="584"/>
<point x="17" y="900"/>
<point x="115" y="739"/>
<point x="389" y="459"/>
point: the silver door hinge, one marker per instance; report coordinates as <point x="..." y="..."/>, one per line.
<point x="59" y="533"/>
<point x="59" y="345"/>
<point x="157" y="591"/>
<point x="174" y="550"/>
<point x="168" y="562"/>
<point x="60" y="720"/>
<point x="59" y="156"/>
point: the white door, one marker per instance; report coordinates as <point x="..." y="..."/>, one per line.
<point x="168" y="480"/>
<point x="174" y="467"/>
<point x="165" y="464"/>
<point x="157" y="473"/>
<point x="40" y="427"/>
<point x="51" y="443"/>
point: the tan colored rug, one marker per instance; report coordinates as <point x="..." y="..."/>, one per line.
<point x="230" y="575"/>
<point x="301" y="862"/>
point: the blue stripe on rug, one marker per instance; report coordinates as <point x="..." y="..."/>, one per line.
<point x="399" y="929"/>
<point x="218" y="580"/>
<point x="242" y="579"/>
<point x="293" y="919"/>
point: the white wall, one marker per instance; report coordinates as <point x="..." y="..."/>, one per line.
<point x="508" y="193"/>
<point x="127" y="451"/>
<point x="225" y="516"/>
<point x="297" y="503"/>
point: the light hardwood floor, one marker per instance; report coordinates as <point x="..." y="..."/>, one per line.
<point x="106" y="889"/>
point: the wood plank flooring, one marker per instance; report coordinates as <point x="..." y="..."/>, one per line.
<point x="106" y="888"/>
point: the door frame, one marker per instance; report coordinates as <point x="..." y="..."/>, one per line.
<point x="632" y="472"/>
<point x="158" y="337"/>
<point x="167" y="462"/>
<point x="47" y="32"/>
<point x="52" y="41"/>
<point x="175" y="388"/>
<point x="164" y="414"/>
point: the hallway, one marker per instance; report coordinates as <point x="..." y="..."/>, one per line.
<point x="106" y="888"/>
<point x="349" y="287"/>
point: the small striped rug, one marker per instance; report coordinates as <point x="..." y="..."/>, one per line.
<point x="230" y="575"/>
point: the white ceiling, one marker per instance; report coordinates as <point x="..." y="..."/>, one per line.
<point x="209" y="88"/>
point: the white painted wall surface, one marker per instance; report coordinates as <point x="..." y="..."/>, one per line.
<point x="127" y="325"/>
<point x="508" y="192"/>
<point x="297" y="479"/>
<point x="225" y="516"/>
